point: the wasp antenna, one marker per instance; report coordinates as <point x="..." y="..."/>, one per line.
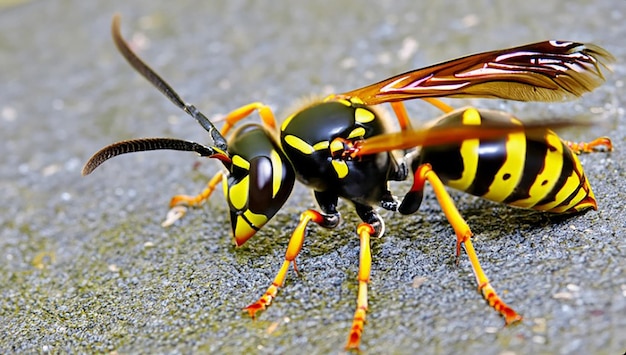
<point x="142" y="145"/>
<point x="158" y="82"/>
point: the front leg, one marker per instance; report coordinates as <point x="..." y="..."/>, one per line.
<point x="293" y="249"/>
<point x="179" y="203"/>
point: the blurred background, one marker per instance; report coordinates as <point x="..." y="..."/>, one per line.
<point x="85" y="266"/>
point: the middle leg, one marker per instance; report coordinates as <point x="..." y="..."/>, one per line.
<point x="463" y="233"/>
<point x="293" y="249"/>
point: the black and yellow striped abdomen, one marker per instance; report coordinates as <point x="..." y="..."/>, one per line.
<point x="537" y="171"/>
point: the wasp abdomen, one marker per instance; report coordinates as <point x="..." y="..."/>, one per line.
<point x="524" y="169"/>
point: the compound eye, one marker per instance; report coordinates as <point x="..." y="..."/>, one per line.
<point x="257" y="194"/>
<point x="261" y="179"/>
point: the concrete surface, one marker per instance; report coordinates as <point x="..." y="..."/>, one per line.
<point x="86" y="268"/>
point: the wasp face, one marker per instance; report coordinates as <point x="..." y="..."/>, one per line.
<point x="259" y="181"/>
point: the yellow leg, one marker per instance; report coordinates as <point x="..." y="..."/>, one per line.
<point x="178" y="203"/>
<point x="267" y="116"/>
<point x="293" y="249"/>
<point x="590" y="147"/>
<point x="365" y="263"/>
<point x="439" y="104"/>
<point x="463" y="235"/>
<point x="403" y="117"/>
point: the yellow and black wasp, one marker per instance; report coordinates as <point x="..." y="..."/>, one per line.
<point x="341" y="147"/>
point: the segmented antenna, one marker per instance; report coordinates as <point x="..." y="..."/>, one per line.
<point x="147" y="72"/>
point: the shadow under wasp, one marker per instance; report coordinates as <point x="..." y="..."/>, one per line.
<point x="342" y="147"/>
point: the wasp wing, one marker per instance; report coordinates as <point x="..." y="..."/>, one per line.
<point x="450" y="134"/>
<point x="542" y="71"/>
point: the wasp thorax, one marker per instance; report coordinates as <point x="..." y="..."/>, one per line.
<point x="316" y="138"/>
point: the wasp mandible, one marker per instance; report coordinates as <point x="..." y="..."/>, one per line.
<point x="341" y="147"/>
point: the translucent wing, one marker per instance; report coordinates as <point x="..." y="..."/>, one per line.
<point x="543" y="71"/>
<point x="450" y="134"/>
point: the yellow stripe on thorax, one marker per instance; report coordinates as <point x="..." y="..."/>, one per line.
<point x="341" y="168"/>
<point x="299" y="144"/>
<point x="362" y="115"/>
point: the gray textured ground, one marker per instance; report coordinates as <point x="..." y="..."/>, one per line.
<point x="85" y="266"/>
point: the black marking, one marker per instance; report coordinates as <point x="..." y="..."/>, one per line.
<point x="446" y="160"/>
<point x="534" y="163"/>
<point x="566" y="172"/>
<point x="491" y="157"/>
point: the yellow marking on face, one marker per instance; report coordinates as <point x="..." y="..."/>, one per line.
<point x="277" y="172"/>
<point x="241" y="162"/>
<point x="299" y="144"/>
<point x="257" y="220"/>
<point x="321" y="145"/>
<point x="357" y="132"/>
<point x="547" y="178"/>
<point x="286" y="122"/>
<point x="341" y="168"/>
<point x="238" y="195"/>
<point x="242" y="231"/>
<point x="362" y="115"/>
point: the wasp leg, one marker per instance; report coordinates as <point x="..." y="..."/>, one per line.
<point x="463" y="233"/>
<point x="179" y="203"/>
<point x="439" y="104"/>
<point x="403" y="118"/>
<point x="598" y="144"/>
<point x="365" y="231"/>
<point x="236" y="115"/>
<point x="293" y="249"/>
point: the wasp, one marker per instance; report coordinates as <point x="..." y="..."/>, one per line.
<point x="341" y="147"/>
